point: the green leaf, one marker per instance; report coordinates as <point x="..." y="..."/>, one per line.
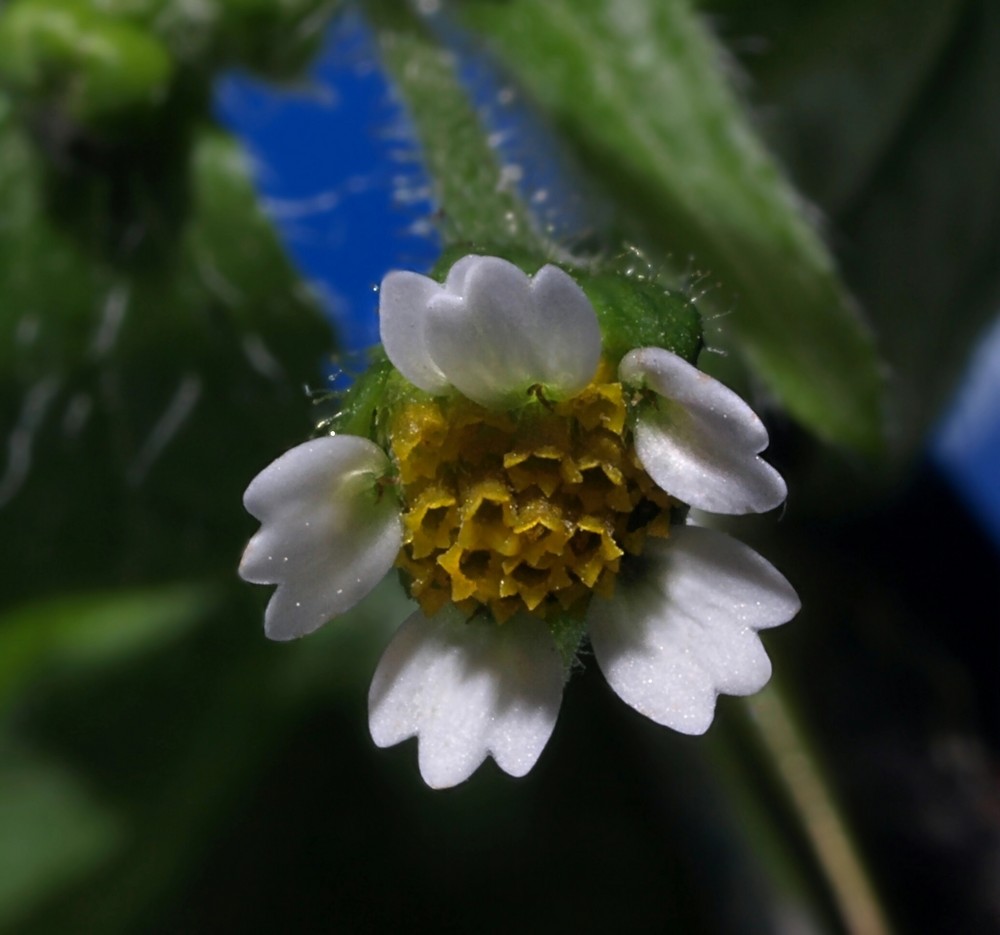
<point x="878" y="109"/>
<point x="273" y="37"/>
<point x="53" y="831"/>
<point x="875" y="109"/>
<point x="639" y="313"/>
<point x="142" y="397"/>
<point x="926" y="251"/>
<point x="84" y="631"/>
<point x="95" y="69"/>
<point x="205" y="715"/>
<point x="639" y="89"/>
<point x="839" y="79"/>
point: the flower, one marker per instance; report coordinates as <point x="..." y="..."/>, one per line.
<point x="530" y="491"/>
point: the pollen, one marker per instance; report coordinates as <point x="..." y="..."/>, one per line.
<point x="532" y="510"/>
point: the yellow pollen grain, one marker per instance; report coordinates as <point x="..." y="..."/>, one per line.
<point x="531" y="511"/>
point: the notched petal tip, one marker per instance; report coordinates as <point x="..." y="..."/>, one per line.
<point x="467" y="690"/>
<point x="688" y="631"/>
<point x="491" y="331"/>
<point x="328" y="534"/>
<point x="699" y="440"/>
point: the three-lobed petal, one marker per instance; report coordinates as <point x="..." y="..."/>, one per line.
<point x="467" y="690"/>
<point x="491" y="331"/>
<point x="686" y="630"/>
<point x="328" y="533"/>
<point x="698" y="439"/>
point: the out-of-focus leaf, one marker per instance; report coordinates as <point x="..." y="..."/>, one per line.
<point x="53" y="831"/>
<point x="273" y="37"/>
<point x="168" y="740"/>
<point x="895" y="142"/>
<point x="476" y="202"/>
<point x="148" y="369"/>
<point x="103" y="55"/>
<point x="81" y="632"/>
<point x="94" y="68"/>
<point x="207" y="713"/>
<point x="925" y="238"/>
<point x="836" y="93"/>
<point x="137" y="401"/>
<point x="207" y="707"/>
<point x="639" y="89"/>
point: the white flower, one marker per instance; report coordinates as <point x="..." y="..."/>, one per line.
<point x="681" y="625"/>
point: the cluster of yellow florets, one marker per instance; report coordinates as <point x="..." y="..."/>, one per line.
<point x="530" y="510"/>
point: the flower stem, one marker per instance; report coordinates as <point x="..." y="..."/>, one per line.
<point x="822" y="822"/>
<point x="475" y="202"/>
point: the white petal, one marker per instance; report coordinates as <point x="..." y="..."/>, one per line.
<point x="505" y="332"/>
<point x="402" y="309"/>
<point x="328" y="533"/>
<point x="566" y="329"/>
<point x="700" y="441"/>
<point x="685" y="631"/>
<point x="467" y="689"/>
<point x="460" y="269"/>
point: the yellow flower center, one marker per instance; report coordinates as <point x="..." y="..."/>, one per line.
<point x="531" y="510"/>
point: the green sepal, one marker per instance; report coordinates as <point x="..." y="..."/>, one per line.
<point x="568" y="633"/>
<point x="97" y="71"/>
<point x="365" y="408"/>
<point x="360" y="405"/>
<point x="637" y="312"/>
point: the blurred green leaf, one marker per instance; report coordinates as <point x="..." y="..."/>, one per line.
<point x="89" y="67"/>
<point x="85" y="631"/>
<point x="169" y="739"/>
<point x="640" y="90"/>
<point x="139" y="399"/>
<point x="154" y="345"/>
<point x="835" y="92"/>
<point x="115" y="52"/>
<point x="53" y="831"/>
<point x="275" y="38"/>
<point x="895" y="142"/>
<point x="210" y="711"/>
<point x="925" y="233"/>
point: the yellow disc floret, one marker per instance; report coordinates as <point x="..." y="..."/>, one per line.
<point x="531" y="510"/>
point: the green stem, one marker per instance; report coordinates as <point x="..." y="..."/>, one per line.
<point x="821" y="820"/>
<point x="476" y="202"/>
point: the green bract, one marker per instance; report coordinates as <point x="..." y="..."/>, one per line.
<point x="639" y="313"/>
<point x="367" y="396"/>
